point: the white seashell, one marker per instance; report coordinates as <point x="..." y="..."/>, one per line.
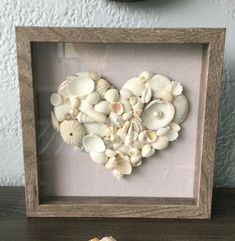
<point x="55" y="122"/>
<point x="172" y="135"/>
<point x="87" y="108"/>
<point x="117" y="108"/>
<point x="158" y="114"/>
<point x="134" y="100"/>
<point x="103" y="107"/>
<point x="108" y="239"/>
<point x="146" y="75"/>
<point x="176" y="88"/>
<point x="141" y="137"/>
<point x="102" y="87"/>
<point x="123" y="131"/>
<point x="125" y="93"/>
<point x="99" y="157"/>
<point x="93" y="143"/>
<point x="146" y="95"/>
<point x="162" y="131"/>
<point x="72" y="132"/>
<point x="73" y="112"/>
<point x="62" y="89"/>
<point x="61" y="112"/>
<point x="127" y="116"/>
<point x="135" y="85"/>
<point x="110" y="153"/>
<point x="111" y="95"/>
<point x="91" y="75"/>
<point x="158" y="83"/>
<point x="136" y="161"/>
<point x="150" y="136"/>
<point x="134" y="152"/>
<point x="80" y="86"/>
<point x="147" y="151"/>
<point x="123" y="166"/>
<point x="137" y="107"/>
<point x="161" y="143"/>
<point x="111" y="164"/>
<point x="83" y="118"/>
<point x="165" y="95"/>
<point x="96" y="128"/>
<point x="181" y="108"/>
<point x="74" y="101"/>
<point x="116" y="119"/>
<point x="137" y="144"/>
<point x="126" y="104"/>
<point x="137" y="124"/>
<point x="56" y="99"/>
<point x="93" y="98"/>
<point x="174" y="126"/>
<point x="131" y="135"/>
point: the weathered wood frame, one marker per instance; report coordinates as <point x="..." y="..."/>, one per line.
<point x="200" y="207"/>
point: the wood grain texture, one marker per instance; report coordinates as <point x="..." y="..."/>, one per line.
<point x="14" y="226"/>
<point x="213" y="40"/>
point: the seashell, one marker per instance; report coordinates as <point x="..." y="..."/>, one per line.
<point x="125" y="93"/>
<point x="116" y="145"/>
<point x="172" y="135"/>
<point x="181" y="108"/>
<point x="158" y="83"/>
<point x="126" y="104"/>
<point x="146" y="75"/>
<point x="111" y="95"/>
<point x="93" y="143"/>
<point x="93" y="98"/>
<point x="123" y="131"/>
<point x="134" y="152"/>
<point x="102" y="87"/>
<point x="72" y="132"/>
<point x="87" y="108"/>
<point x="123" y="166"/>
<point x="165" y="95"/>
<point x="136" y="161"/>
<point x="108" y="239"/>
<point x="111" y="164"/>
<point x="99" y="157"/>
<point x="117" y="174"/>
<point x="158" y="114"/>
<point x="134" y="100"/>
<point x="62" y="89"/>
<point x="96" y="128"/>
<point x="147" y="151"/>
<point x="110" y="153"/>
<point x="80" y="86"/>
<point x="176" y="88"/>
<point x="174" y="126"/>
<point x="150" y="136"/>
<point x="103" y="107"/>
<point x="162" y="131"/>
<point x="146" y="95"/>
<point x="117" y="108"/>
<point x="91" y="75"/>
<point x="73" y="112"/>
<point x="83" y="118"/>
<point x="127" y="116"/>
<point x="137" y="124"/>
<point x="116" y="119"/>
<point x="131" y="135"/>
<point x="161" y="143"/>
<point x="141" y="137"/>
<point x="74" y="101"/>
<point x="56" y="99"/>
<point x="135" y="85"/>
<point x="61" y="112"/>
<point x="138" y="109"/>
<point x="55" y="122"/>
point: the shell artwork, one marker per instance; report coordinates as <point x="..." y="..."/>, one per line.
<point x="119" y="129"/>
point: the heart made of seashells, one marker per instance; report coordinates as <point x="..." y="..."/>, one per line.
<point x="119" y="129"/>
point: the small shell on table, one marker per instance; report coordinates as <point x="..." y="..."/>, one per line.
<point x="161" y="143"/>
<point x="146" y="75"/>
<point x="181" y="108"/>
<point x="103" y="107"/>
<point x="147" y="151"/>
<point x="102" y="87"/>
<point x="135" y="85"/>
<point x="117" y="108"/>
<point x="111" y="95"/>
<point x="91" y="75"/>
<point x="158" y="114"/>
<point x="55" y="122"/>
<point x="56" y="99"/>
<point x="93" y="98"/>
<point x="93" y="143"/>
<point x="72" y="132"/>
<point x="80" y="86"/>
<point x="99" y="157"/>
<point x="146" y="95"/>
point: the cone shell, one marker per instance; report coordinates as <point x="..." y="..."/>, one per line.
<point x="161" y="143"/>
<point x="72" y="132"/>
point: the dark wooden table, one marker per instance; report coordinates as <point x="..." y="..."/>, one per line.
<point x="14" y="226"/>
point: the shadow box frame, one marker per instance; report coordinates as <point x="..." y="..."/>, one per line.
<point x="126" y="207"/>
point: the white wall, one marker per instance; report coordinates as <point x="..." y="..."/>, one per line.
<point x="158" y="13"/>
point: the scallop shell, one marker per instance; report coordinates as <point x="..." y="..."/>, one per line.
<point x="181" y="108"/>
<point x="62" y="89"/>
<point x="146" y="95"/>
<point x="111" y="95"/>
<point x="72" y="132"/>
<point x="55" y="122"/>
<point x="103" y="107"/>
<point x="147" y="151"/>
<point x="83" y="118"/>
<point x="93" y="143"/>
<point x="91" y="75"/>
<point x="56" y="99"/>
<point x="117" y="108"/>
<point x="135" y="85"/>
<point x="93" y="98"/>
<point x="61" y="112"/>
<point x="125" y="93"/>
<point x="80" y="86"/>
<point x="145" y="76"/>
<point x="99" y="157"/>
<point x="158" y="114"/>
<point x="102" y="87"/>
<point x="161" y="143"/>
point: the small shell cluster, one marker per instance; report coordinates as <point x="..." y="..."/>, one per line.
<point x="119" y="128"/>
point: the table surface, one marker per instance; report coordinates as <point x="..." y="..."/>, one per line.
<point x="15" y="226"/>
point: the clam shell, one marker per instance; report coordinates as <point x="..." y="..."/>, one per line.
<point x="146" y="75"/>
<point x="111" y="95"/>
<point x="93" y="98"/>
<point x="56" y="99"/>
<point x="103" y="107"/>
<point x="135" y="85"/>
<point x="55" y="123"/>
<point x="147" y="151"/>
<point x="158" y="114"/>
<point x="72" y="132"/>
<point x="93" y="143"/>
<point x="125" y="93"/>
<point x="174" y="126"/>
<point x="146" y="95"/>
<point x="161" y="143"/>
<point x="123" y="166"/>
<point x="83" y="118"/>
<point x="61" y="112"/>
<point x="117" y="108"/>
<point x="80" y="86"/>
<point x="99" y="157"/>
<point x="181" y="108"/>
<point x="91" y="75"/>
<point x="102" y="87"/>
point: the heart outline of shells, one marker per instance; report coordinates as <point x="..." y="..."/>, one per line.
<point x="119" y="128"/>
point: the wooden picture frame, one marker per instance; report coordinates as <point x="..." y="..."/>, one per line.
<point x="125" y="207"/>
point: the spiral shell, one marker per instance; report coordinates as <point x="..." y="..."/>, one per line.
<point x="102" y="87"/>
